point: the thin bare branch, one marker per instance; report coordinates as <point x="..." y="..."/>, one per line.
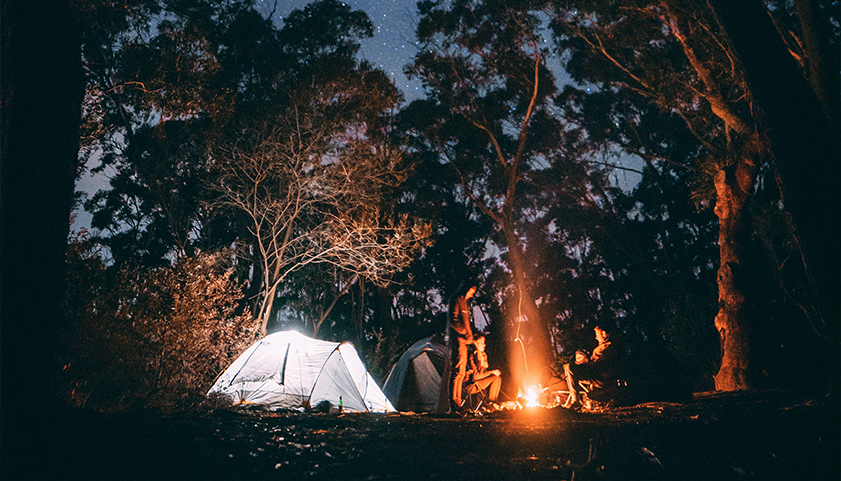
<point x="312" y="193"/>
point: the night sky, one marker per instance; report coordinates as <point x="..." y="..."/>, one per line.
<point x="394" y="43"/>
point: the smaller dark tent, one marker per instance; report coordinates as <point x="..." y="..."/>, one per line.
<point x="413" y="384"/>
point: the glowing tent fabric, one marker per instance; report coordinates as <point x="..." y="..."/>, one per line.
<point x="289" y="370"/>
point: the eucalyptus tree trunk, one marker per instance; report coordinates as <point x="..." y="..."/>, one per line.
<point x="42" y="92"/>
<point x="529" y="333"/>
<point x="803" y="141"/>
<point x="734" y="187"/>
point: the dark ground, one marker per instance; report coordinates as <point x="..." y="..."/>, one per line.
<point x="753" y="435"/>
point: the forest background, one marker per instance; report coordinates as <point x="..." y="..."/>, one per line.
<point x="263" y="177"/>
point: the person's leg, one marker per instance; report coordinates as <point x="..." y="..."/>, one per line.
<point x="453" y="374"/>
<point x="496" y="385"/>
<point x="479" y="384"/>
<point x="572" y="386"/>
<point x="460" y="369"/>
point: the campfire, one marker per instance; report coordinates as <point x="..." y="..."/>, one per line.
<point x="535" y="395"/>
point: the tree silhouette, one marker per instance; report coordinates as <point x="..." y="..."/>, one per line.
<point x="489" y="116"/>
<point x="42" y="90"/>
<point x="801" y="126"/>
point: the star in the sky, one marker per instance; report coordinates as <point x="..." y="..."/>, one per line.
<point x="393" y="45"/>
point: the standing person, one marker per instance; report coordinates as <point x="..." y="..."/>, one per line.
<point x="459" y="338"/>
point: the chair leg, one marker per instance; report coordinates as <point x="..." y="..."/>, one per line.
<point x="584" y="396"/>
<point x="482" y="397"/>
<point x="580" y="398"/>
<point x="467" y="402"/>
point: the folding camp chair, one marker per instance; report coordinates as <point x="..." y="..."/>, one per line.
<point x="593" y="396"/>
<point x="473" y="400"/>
<point x="475" y="393"/>
<point x="561" y="393"/>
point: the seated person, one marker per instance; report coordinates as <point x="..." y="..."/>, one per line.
<point x="556" y="380"/>
<point x="479" y="376"/>
<point x="601" y="368"/>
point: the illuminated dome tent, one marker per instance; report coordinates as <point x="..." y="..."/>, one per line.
<point x="289" y="370"/>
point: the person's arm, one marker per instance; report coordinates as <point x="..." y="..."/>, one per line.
<point x="467" y="320"/>
<point x="608" y="361"/>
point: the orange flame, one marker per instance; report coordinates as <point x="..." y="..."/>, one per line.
<point x="531" y="396"/>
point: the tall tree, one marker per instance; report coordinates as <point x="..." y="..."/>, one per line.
<point x="489" y="116"/>
<point x="311" y="181"/>
<point x="802" y="126"/>
<point x="151" y="105"/>
<point x="42" y="89"/>
<point x="667" y="54"/>
<point x="160" y="97"/>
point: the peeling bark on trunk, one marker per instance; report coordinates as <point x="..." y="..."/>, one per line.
<point x="733" y="191"/>
<point x="804" y="146"/>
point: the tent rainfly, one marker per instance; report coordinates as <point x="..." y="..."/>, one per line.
<point x="415" y="380"/>
<point x="289" y="370"/>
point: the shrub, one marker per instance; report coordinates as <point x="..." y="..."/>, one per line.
<point x="150" y="338"/>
